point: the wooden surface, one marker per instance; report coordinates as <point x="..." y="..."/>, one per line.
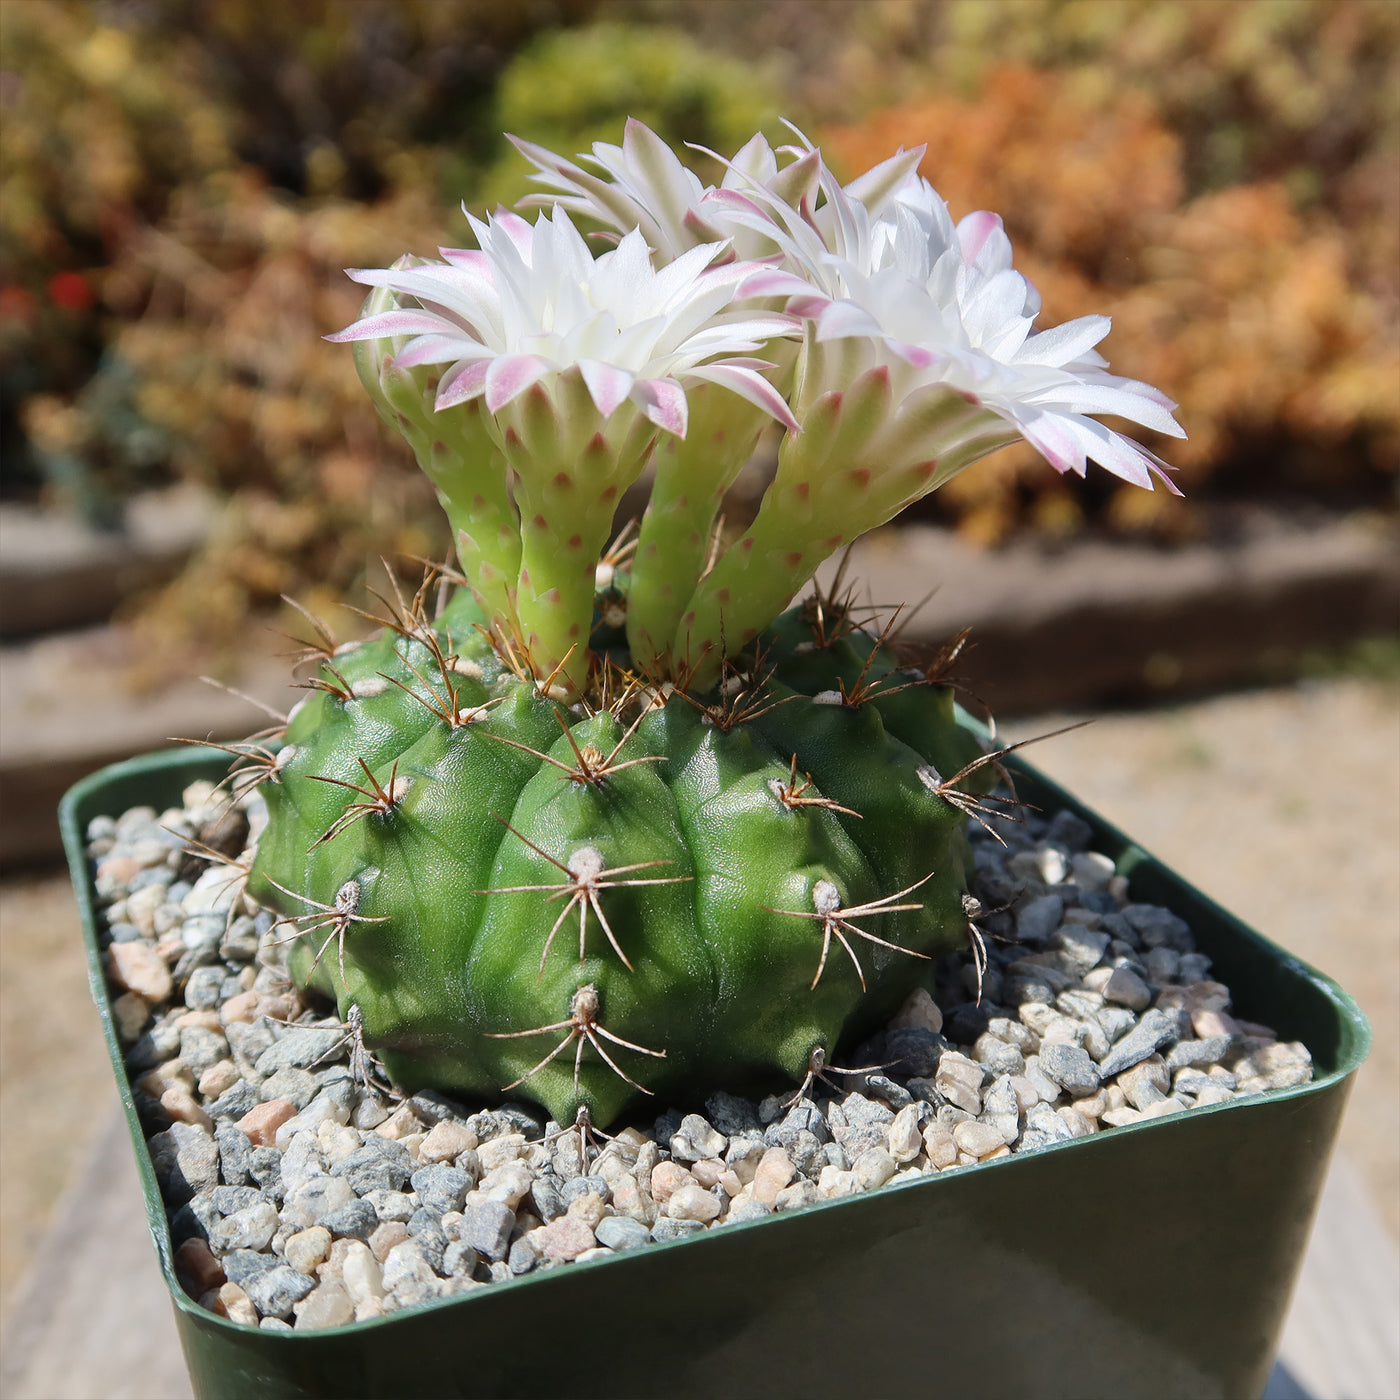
<point x="93" y="1320"/>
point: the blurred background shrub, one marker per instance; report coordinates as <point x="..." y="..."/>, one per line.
<point x="182" y="183"/>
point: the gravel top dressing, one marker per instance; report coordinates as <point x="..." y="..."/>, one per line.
<point x="302" y="1194"/>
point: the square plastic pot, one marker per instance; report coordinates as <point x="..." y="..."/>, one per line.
<point x="1155" y="1260"/>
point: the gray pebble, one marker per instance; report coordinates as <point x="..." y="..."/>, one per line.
<point x="202" y="989"/>
<point x="621" y="1232"/>
<point x="440" y="1187"/>
<point x="1083" y="948"/>
<point x="376" y="1168"/>
<point x="300" y="1048"/>
<point x="235" y="1101"/>
<point x="123" y="933"/>
<point x="356" y="1220"/>
<point x="297" y="1086"/>
<point x="186" y="1161"/>
<point x="234" y="1146"/>
<point x="1069" y="830"/>
<point x="548" y="1197"/>
<point x="1198" y="1054"/>
<point x="275" y="1290"/>
<point x="265" y="1168"/>
<point x="228" y="1199"/>
<point x="244" y="1264"/>
<point x="913" y="1051"/>
<point x="747" y="1210"/>
<point x="580" y="1186"/>
<point x="1036" y="921"/>
<point x="521" y="1258"/>
<point x="893" y="1094"/>
<point x="668" y="1229"/>
<point x="486" y="1227"/>
<point x="731" y="1115"/>
<point x="1155" y="1030"/>
<point x="459" y="1259"/>
<point x="1070" y="1067"/>
<point x="1159" y="927"/>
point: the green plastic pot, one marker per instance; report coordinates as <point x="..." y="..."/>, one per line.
<point x="1155" y="1260"/>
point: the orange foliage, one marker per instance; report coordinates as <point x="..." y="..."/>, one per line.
<point x="1246" y="312"/>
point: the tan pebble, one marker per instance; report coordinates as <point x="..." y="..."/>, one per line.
<point x="170" y="948"/>
<point x="1027" y="1095"/>
<point x="508" y="1147"/>
<point x="261" y="1123"/>
<point x="1091" y="1107"/>
<point x="1097" y="980"/>
<point x="966" y="1159"/>
<point x="384" y="1237"/>
<point x="240" y="1008"/>
<point x="565" y="1237"/>
<point x="140" y="968"/>
<point x="1002" y="1151"/>
<point x="690" y="1201"/>
<point x="131" y="1014"/>
<point x="873" y="1168"/>
<point x="667" y="1177"/>
<point x="401" y="1123"/>
<point x="904" y="1135"/>
<point x="939" y="1145"/>
<point x="919" y="1010"/>
<point x="589" y="1208"/>
<point x="1207" y="1024"/>
<point x="330" y="1269"/>
<point x="218" y="1078"/>
<point x="1079" y="1124"/>
<point x="412" y="1143"/>
<point x="205" y="1020"/>
<point x="180" y="1104"/>
<point x="775" y="1170"/>
<point x="306" y="1250"/>
<point x="597" y="1252"/>
<point x="707" y="1171"/>
<point x="1121" y="1117"/>
<point x="1214" y="1093"/>
<point x="730" y="1182"/>
<point x="978" y="1139"/>
<point x="507" y="1184"/>
<point x="629" y="1199"/>
<point x="336" y="1140"/>
<point x="959" y="1080"/>
<point x="196" y="1267"/>
<point x="237" y="1306"/>
<point x="122" y="869"/>
<point x="1162" y="1108"/>
<point x="166" y="1076"/>
<point x="1257" y="1031"/>
<point x="325" y="1306"/>
<point x="361" y="1275"/>
<point x="446" y="1142"/>
<point x="1114" y="1098"/>
<point x="835" y="1182"/>
<point x="1174" y="998"/>
<point x="1209" y="996"/>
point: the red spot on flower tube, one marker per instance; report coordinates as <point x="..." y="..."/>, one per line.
<point x="71" y="291"/>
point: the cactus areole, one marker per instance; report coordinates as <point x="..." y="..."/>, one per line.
<point x="608" y="822"/>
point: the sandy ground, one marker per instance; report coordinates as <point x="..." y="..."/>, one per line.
<point x="1284" y="805"/>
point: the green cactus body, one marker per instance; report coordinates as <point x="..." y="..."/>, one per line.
<point x="611" y="825"/>
<point x="473" y="848"/>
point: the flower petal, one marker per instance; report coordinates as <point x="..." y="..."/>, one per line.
<point x="663" y="401"/>
<point x="607" y="384"/>
<point x="508" y="376"/>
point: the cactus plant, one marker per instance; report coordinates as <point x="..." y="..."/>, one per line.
<point x="607" y="824"/>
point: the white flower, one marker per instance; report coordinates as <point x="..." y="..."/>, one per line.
<point x="534" y="302"/>
<point x="942" y="304"/>
<point x="647" y="188"/>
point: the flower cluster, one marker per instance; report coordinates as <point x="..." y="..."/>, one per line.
<point x="894" y="346"/>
